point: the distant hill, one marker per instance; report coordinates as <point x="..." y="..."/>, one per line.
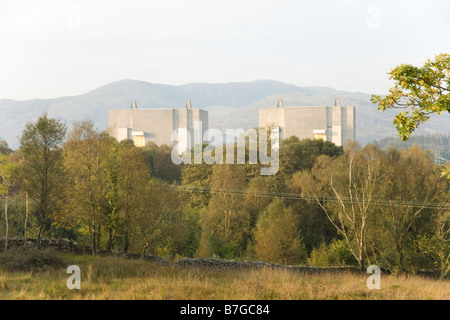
<point x="230" y="105"/>
<point x="438" y="145"/>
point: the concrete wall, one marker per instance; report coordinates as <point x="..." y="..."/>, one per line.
<point x="156" y="124"/>
<point x="337" y="122"/>
<point x="269" y="116"/>
<point x="348" y="127"/>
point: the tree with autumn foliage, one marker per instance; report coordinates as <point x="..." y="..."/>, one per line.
<point x="41" y="169"/>
<point x="420" y="91"/>
<point x="6" y="182"/>
<point x="87" y="180"/>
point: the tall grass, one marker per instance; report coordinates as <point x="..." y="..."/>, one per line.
<point x="115" y="278"/>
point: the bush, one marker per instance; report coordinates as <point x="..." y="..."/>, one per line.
<point x="335" y="254"/>
<point x="340" y="254"/>
<point x="30" y="258"/>
<point x="319" y="256"/>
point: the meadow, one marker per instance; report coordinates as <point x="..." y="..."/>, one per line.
<point x="112" y="278"/>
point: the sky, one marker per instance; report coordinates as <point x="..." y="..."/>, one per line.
<point x="50" y="49"/>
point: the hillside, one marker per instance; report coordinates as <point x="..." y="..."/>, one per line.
<point x="230" y="105"/>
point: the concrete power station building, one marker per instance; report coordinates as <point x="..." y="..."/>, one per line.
<point x="336" y="124"/>
<point x="158" y="124"/>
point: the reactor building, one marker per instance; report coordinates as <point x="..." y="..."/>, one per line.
<point x="335" y="123"/>
<point x="158" y="125"/>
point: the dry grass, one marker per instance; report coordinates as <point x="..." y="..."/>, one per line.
<point x="114" y="278"/>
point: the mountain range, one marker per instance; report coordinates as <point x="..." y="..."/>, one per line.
<point x="230" y="105"/>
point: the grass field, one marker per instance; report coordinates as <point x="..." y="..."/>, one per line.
<point x="114" y="278"/>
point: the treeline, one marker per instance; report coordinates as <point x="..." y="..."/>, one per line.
<point x="437" y="144"/>
<point x="326" y="206"/>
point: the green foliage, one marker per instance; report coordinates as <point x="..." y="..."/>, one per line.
<point x="87" y="160"/>
<point x="191" y="226"/>
<point x="436" y="243"/>
<point x="4" y="148"/>
<point x="297" y="155"/>
<point x="351" y="181"/>
<point x="445" y="171"/>
<point x="6" y="175"/>
<point x="160" y="163"/>
<point x="357" y="206"/>
<point x="320" y="256"/>
<point x="421" y="91"/>
<point x="315" y="226"/>
<point x="438" y="246"/>
<point x="40" y="172"/>
<point x="255" y="200"/>
<point x="158" y="224"/>
<point x="133" y="177"/>
<point x="197" y="177"/>
<point x="403" y="172"/>
<point x="277" y="237"/>
<point x="335" y="254"/>
<point x="225" y="223"/>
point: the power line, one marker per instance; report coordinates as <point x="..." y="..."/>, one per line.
<point x="324" y="198"/>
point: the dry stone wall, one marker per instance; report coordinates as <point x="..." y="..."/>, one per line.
<point x="64" y="245"/>
<point x="221" y="264"/>
<point x="61" y="245"/>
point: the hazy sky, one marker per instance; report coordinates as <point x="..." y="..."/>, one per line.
<point x="57" y="48"/>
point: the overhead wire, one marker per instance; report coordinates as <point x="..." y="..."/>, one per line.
<point x="323" y="198"/>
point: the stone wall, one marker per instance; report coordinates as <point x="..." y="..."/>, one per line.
<point x="67" y="246"/>
<point x="60" y="245"/>
<point x="147" y="257"/>
<point x="220" y="264"/>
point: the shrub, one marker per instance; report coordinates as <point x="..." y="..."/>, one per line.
<point x="30" y="258"/>
<point x="340" y="254"/>
<point x="335" y="254"/>
<point x="277" y="236"/>
<point x="319" y="256"/>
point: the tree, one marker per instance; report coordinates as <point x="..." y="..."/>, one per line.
<point x="160" y="162"/>
<point x="403" y="172"/>
<point x="256" y="198"/>
<point x="197" y="177"/>
<point x="17" y="191"/>
<point x="4" y="148"/>
<point x="314" y="225"/>
<point x="225" y="223"/>
<point x="277" y="235"/>
<point x="40" y="172"/>
<point x="421" y="91"/>
<point x="157" y="217"/>
<point x="6" y="182"/>
<point x="133" y="176"/>
<point x="86" y="164"/>
<point x="437" y="244"/>
<point x="112" y="195"/>
<point x="297" y="155"/>
<point x="345" y="189"/>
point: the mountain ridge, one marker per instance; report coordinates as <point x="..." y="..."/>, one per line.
<point x="231" y="105"/>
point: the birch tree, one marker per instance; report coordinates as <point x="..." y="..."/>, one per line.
<point x="40" y="170"/>
<point x="6" y="182"/>
<point x="133" y="176"/>
<point x="86" y="163"/>
<point x="345" y="189"/>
